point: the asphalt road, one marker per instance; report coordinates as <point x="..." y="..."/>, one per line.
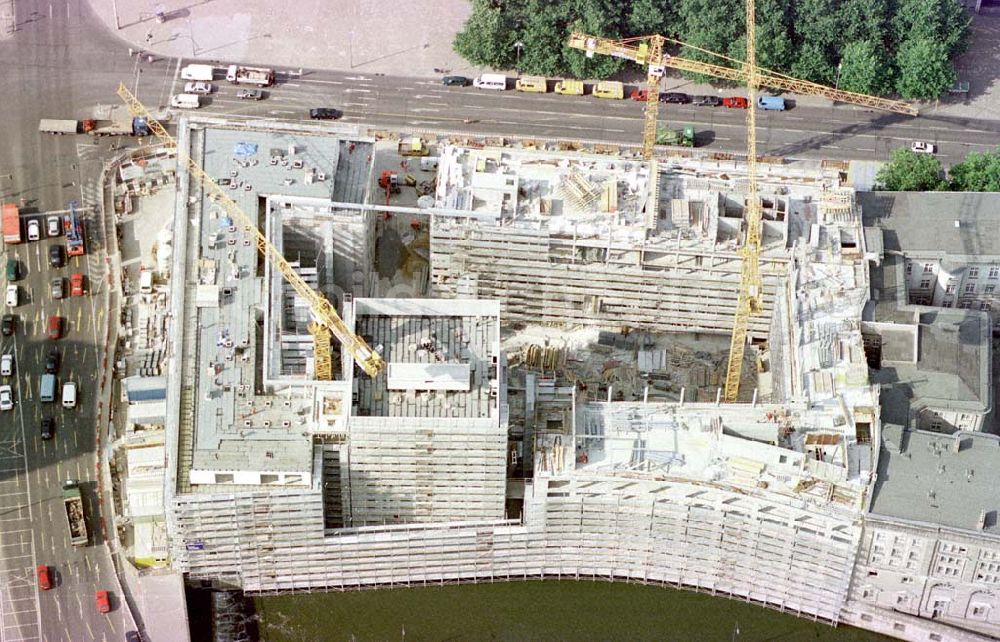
<point x="45" y="69"/>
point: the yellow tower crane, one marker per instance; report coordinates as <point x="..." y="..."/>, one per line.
<point x="326" y="318"/>
<point x="750" y="297"/>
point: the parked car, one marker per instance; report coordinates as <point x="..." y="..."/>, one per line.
<point x="639" y="94"/>
<point x="52" y="361"/>
<point x="771" y="103"/>
<point x="103" y="602"/>
<point x="923" y="148"/>
<point x="44" y="577"/>
<point x="34" y="230"/>
<point x="325" y="113"/>
<point x="54" y="327"/>
<point x="456" y="81"/>
<point x="198" y="87"/>
<point x="675" y="97"/>
<point x="6" y="397"/>
<point x="56" y="288"/>
<point x="52" y="225"/>
<point x="48" y="427"/>
<point x="13" y="270"/>
<point x="12" y="296"/>
<point x="707" y="101"/>
<point x="76" y="284"/>
<point x="7" y="365"/>
<point x="735" y="102"/>
<point x="7" y="325"/>
<point x="56" y="256"/>
<point x="250" y="94"/>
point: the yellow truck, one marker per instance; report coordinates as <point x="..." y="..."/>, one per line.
<point x="609" y="89"/>
<point x="535" y="84"/>
<point x="569" y="87"/>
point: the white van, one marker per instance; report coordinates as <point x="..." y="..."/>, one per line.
<point x="69" y="395"/>
<point x="197" y="72"/>
<point x="491" y="81"/>
<point x="185" y="101"/>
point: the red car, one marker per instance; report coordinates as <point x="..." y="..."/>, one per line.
<point x="639" y="94"/>
<point x="103" y="602"/>
<point x="76" y="284"/>
<point x="44" y="577"/>
<point x="55" y="327"/>
<point x="735" y="102"/>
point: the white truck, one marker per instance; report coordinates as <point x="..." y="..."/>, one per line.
<point x="490" y="81"/>
<point x="260" y="76"/>
<point x="198" y="72"/>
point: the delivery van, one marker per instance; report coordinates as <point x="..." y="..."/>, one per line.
<point x="47" y="389"/>
<point x="186" y="101"/>
<point x="197" y="72"/>
<point x="609" y="89"/>
<point x="771" y="103"/>
<point x="569" y="87"/>
<point x="491" y="81"/>
<point x="534" y="84"/>
<point x="69" y="395"/>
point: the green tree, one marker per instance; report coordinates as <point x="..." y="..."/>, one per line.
<point x="600" y="18"/>
<point x="817" y="34"/>
<point x="911" y="172"/>
<point x="814" y="64"/>
<point x="544" y="37"/>
<point x="977" y="173"/>
<point x="864" y="20"/>
<point x="924" y="69"/>
<point x="866" y="69"/>
<point x="775" y="49"/>
<point x="489" y="35"/>
<point x="648" y="17"/>
<point x="943" y="21"/>
<point x="714" y="25"/>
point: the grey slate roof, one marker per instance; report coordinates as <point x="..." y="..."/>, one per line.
<point x="923" y="223"/>
<point x="922" y="479"/>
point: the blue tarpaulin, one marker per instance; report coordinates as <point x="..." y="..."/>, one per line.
<point x="245" y="149"/>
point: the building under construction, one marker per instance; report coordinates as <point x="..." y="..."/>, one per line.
<point x="457" y="464"/>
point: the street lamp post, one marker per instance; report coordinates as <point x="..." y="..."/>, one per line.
<point x="836" y="85"/>
<point x="519" y="46"/>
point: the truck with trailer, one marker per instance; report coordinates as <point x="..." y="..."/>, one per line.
<point x="137" y="126"/>
<point x="73" y="230"/>
<point x="73" y="501"/>
<point x="11" y="223"/>
<point x="198" y="72"/>
<point x="260" y="76"/>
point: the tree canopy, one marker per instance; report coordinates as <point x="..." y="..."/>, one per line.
<point x="977" y="173"/>
<point x="873" y="46"/>
<point x="911" y="172"/>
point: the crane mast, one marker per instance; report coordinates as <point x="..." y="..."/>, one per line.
<point x="750" y="295"/>
<point x="326" y="319"/>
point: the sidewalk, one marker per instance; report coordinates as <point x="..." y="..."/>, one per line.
<point x="407" y="38"/>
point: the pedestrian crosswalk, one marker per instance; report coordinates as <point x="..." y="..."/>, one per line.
<point x="18" y="587"/>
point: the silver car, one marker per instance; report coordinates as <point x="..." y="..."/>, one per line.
<point x="250" y="94"/>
